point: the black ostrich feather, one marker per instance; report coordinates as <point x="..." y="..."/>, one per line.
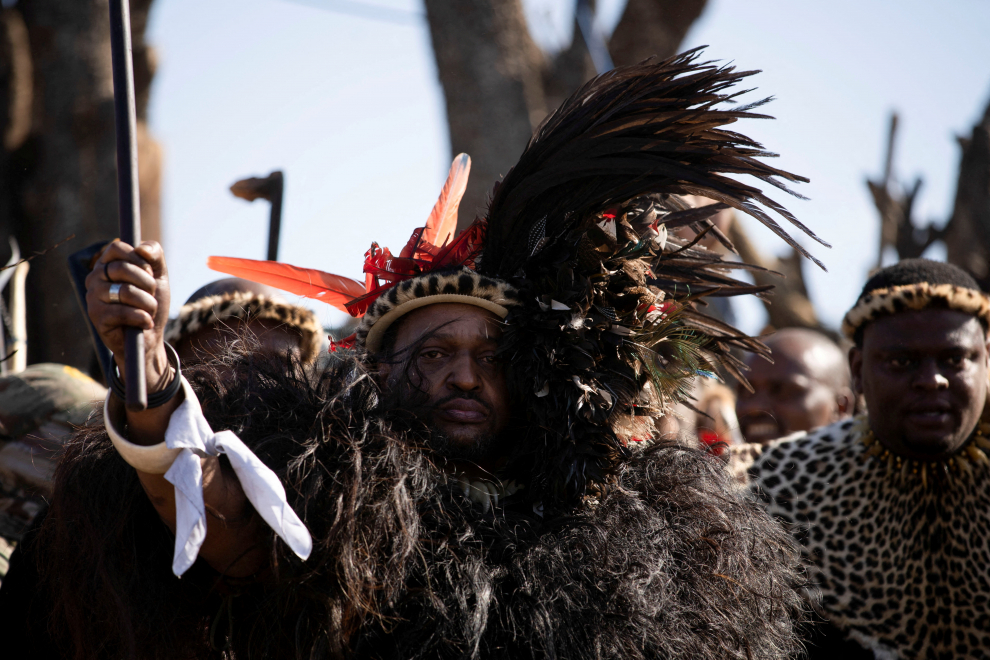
<point x="646" y="128"/>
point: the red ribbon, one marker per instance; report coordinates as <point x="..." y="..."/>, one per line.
<point x="383" y="270"/>
<point x="711" y="441"/>
<point x="346" y="342"/>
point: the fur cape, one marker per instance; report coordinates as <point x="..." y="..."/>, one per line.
<point x="669" y="563"/>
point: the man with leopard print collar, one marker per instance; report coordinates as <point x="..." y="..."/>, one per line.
<point x="892" y="509"/>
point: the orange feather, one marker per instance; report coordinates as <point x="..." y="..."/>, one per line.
<point x="442" y="223"/>
<point x="309" y="282"/>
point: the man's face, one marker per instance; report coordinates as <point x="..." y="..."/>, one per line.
<point x="787" y="397"/>
<point x="446" y="353"/>
<point x="924" y="377"/>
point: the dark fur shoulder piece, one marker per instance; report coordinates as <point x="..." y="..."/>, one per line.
<point x="669" y="563"/>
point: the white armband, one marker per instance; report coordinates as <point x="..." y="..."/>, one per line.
<point x="153" y="459"/>
<point x="188" y="439"/>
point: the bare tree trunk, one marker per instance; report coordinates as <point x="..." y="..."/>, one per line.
<point x="16" y="97"/>
<point x="967" y="236"/>
<point x="895" y="204"/>
<point x="499" y="85"/>
<point x="64" y="182"/>
<point x="490" y="70"/>
<point x="652" y="27"/>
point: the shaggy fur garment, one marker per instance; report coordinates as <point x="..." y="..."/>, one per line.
<point x="669" y="563"/>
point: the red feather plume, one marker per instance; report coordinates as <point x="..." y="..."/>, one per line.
<point x="309" y="282"/>
<point x="442" y="223"/>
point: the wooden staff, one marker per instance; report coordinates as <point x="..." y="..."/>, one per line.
<point x="129" y="198"/>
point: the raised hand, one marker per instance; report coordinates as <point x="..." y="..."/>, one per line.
<point x="128" y="287"/>
<point x="140" y="280"/>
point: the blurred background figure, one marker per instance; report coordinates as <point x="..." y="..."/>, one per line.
<point x="39" y="408"/>
<point x="231" y="309"/>
<point x="805" y="387"/>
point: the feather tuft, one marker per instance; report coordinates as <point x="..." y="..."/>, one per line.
<point x="442" y="223"/>
<point x="309" y="282"/>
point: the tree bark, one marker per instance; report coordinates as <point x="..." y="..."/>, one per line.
<point x="490" y="70"/>
<point x="967" y="235"/>
<point x="788" y="305"/>
<point x="652" y="27"/>
<point x="16" y="96"/>
<point x="63" y="179"/>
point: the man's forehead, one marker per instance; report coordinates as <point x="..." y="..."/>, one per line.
<point x="449" y="322"/>
<point x="791" y="376"/>
<point x="783" y="365"/>
<point x="928" y="329"/>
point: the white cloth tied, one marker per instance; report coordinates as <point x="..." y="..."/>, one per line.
<point x="190" y="434"/>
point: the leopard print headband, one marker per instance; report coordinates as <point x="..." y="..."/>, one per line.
<point x="458" y="286"/>
<point x="914" y="297"/>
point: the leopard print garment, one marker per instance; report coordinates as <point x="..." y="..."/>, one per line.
<point x="904" y="571"/>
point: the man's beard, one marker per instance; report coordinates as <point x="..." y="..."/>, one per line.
<point x="484" y="448"/>
<point x="404" y="399"/>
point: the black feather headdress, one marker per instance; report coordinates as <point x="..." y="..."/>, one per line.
<point x="611" y="325"/>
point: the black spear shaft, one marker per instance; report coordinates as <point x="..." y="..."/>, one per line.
<point x="125" y="118"/>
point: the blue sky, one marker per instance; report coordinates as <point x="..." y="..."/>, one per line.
<point x="344" y="98"/>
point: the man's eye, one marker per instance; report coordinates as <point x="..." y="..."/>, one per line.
<point x="431" y="355"/>
<point x="489" y="359"/>
<point x="900" y="362"/>
<point x="955" y="360"/>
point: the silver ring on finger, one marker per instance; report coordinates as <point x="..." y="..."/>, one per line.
<point x="115" y="293"/>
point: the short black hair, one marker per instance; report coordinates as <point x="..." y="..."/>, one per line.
<point x="916" y="271"/>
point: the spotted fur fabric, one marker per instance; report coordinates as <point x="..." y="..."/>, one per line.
<point x="455" y="286"/>
<point x="244" y="305"/>
<point x="902" y="571"/>
<point x="880" y="302"/>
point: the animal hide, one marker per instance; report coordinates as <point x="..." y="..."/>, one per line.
<point x="668" y="563"/>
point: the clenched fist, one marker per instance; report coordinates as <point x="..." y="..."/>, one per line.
<point x="128" y="287"/>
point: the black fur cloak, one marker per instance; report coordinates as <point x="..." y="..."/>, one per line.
<point x="669" y="562"/>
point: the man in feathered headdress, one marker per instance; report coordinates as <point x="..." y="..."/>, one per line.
<point x="892" y="508"/>
<point x="481" y="477"/>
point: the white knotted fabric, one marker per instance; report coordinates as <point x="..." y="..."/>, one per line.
<point x="188" y="439"/>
